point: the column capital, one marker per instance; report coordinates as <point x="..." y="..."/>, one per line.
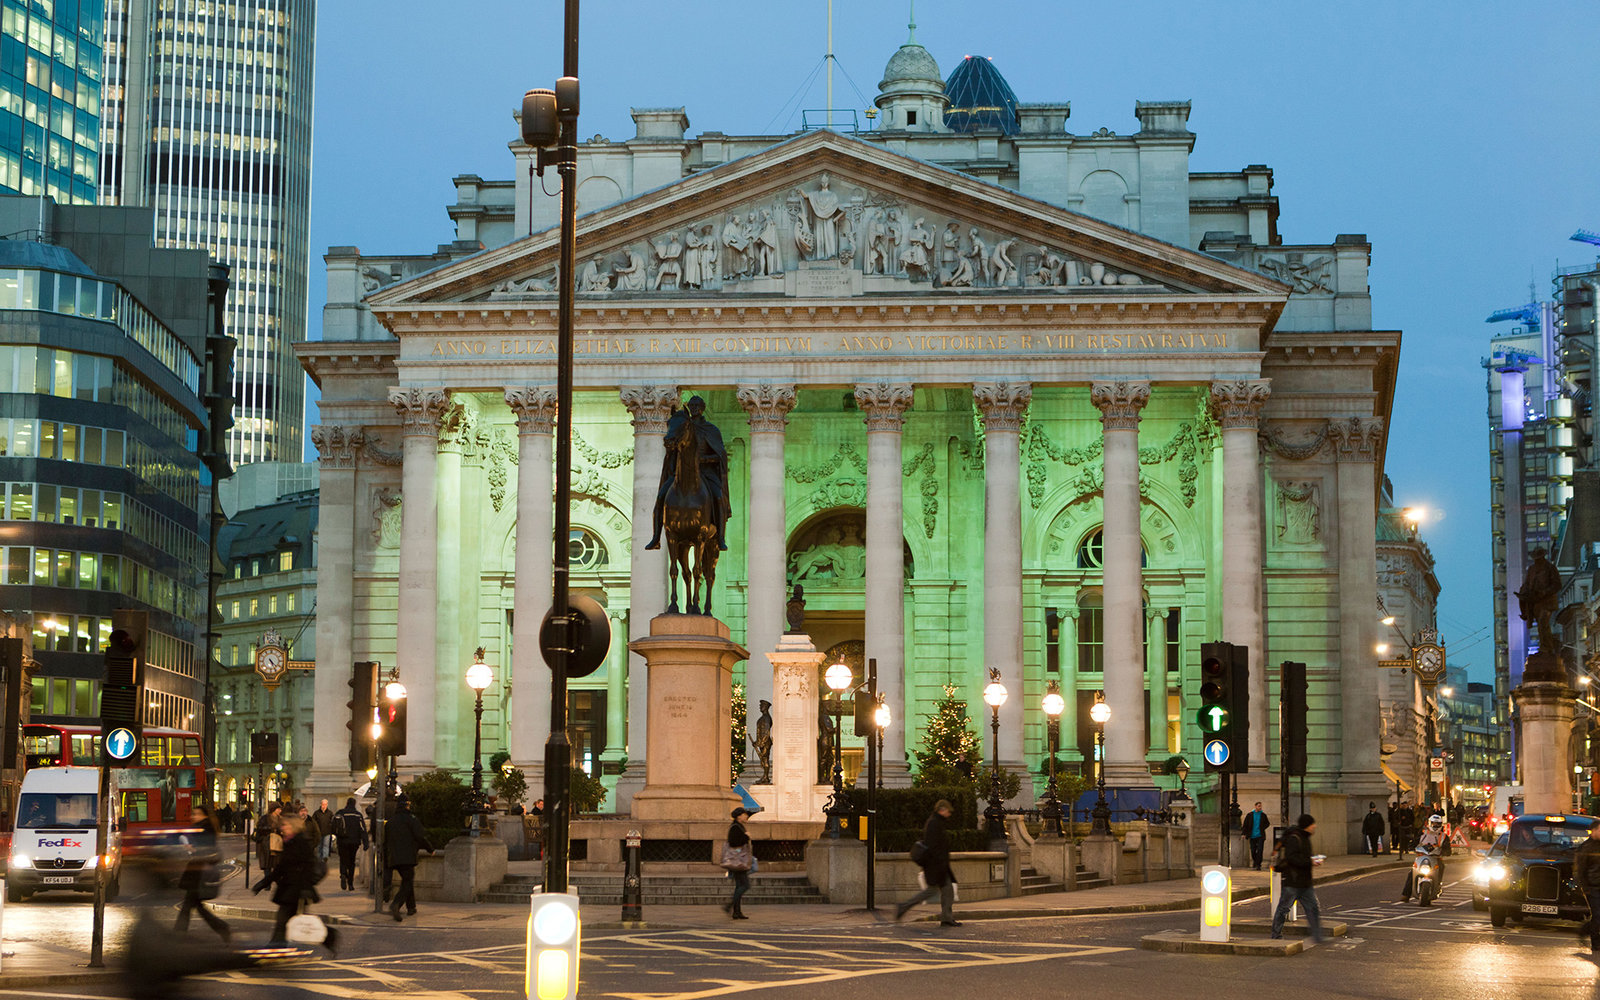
<point x="1356" y="439"/>
<point x="1152" y="613"/>
<point x="1237" y="403"/>
<point x="457" y="425"/>
<point x="535" y="407"/>
<point x="885" y="404"/>
<point x="338" y="447"/>
<point x="768" y="405"/>
<point x="1119" y="402"/>
<point x="420" y="409"/>
<point x="650" y="406"/>
<point x="1002" y="403"/>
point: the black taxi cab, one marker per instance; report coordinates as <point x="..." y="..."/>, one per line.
<point x="1533" y="877"/>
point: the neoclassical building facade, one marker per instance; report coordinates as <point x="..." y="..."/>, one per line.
<point x="983" y="426"/>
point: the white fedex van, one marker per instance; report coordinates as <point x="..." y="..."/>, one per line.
<point x="54" y="844"/>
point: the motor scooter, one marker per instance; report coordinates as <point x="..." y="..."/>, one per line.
<point x="1427" y="874"/>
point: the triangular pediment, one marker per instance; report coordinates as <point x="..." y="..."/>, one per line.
<point x="825" y="215"/>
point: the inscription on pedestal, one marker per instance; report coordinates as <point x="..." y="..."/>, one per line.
<point x="822" y="282"/>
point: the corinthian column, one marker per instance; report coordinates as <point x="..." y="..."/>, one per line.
<point x="650" y="406"/>
<point x="1358" y="443"/>
<point x="337" y="447"/>
<point x="885" y="405"/>
<point x="768" y="407"/>
<point x="1237" y="408"/>
<point x="1122" y="580"/>
<point x="1002" y="405"/>
<point x="535" y="408"/>
<point x="418" y="624"/>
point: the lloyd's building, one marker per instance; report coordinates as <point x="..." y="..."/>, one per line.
<point x="997" y="395"/>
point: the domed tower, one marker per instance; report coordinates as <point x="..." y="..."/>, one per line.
<point x="911" y="93"/>
<point x="980" y="98"/>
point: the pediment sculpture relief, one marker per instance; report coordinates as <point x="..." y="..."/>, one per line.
<point x="816" y="239"/>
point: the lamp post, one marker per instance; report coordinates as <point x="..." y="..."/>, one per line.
<point x="393" y="691"/>
<point x="1182" y="769"/>
<point x="994" y="695"/>
<point x="1054" y="705"/>
<point x="839" y="679"/>
<point x="880" y="722"/>
<point x="1100" y="817"/>
<point x="883" y="717"/>
<point x="478" y="677"/>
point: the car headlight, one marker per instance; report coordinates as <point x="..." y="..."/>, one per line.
<point x="1499" y="873"/>
<point x="21" y="861"/>
<point x="93" y="862"/>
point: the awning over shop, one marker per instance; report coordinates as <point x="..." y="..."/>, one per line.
<point x="1389" y="773"/>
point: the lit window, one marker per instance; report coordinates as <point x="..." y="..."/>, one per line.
<point x="288" y="601"/>
<point x="285" y="561"/>
<point x="272" y="604"/>
<point x="255" y="606"/>
<point x="235" y="613"/>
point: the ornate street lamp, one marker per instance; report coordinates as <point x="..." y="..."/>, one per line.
<point x="393" y="691"/>
<point x="994" y="695"/>
<point x="883" y="717"/>
<point x="1100" y="817"/>
<point x="1054" y="705"/>
<point x="839" y="679"/>
<point x="1182" y="770"/>
<point x="478" y="677"/>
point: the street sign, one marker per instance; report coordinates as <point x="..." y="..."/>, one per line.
<point x="1213" y="719"/>
<point x="1216" y="753"/>
<point x="121" y="743"/>
<point x="1436" y="763"/>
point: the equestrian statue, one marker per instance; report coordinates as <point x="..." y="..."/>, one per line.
<point x="692" y="504"/>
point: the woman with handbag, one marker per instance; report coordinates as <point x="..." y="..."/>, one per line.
<point x="295" y="876"/>
<point x="200" y="877"/>
<point x="737" y="858"/>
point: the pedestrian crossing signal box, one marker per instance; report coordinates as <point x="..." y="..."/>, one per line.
<point x="552" y="959"/>
<point x="1216" y="902"/>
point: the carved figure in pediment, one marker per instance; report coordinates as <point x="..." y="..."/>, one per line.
<point x="669" y="256"/>
<point x="735" y="257"/>
<point x="1002" y="270"/>
<point x="693" y="262"/>
<point x="825" y="218"/>
<point x="919" y="242"/>
<point x="971" y="269"/>
<point x="630" y="273"/>
<point x="374" y="278"/>
<point x="768" y="260"/>
<point x="531" y="285"/>
<point x="708" y="256"/>
<point x="877" y="256"/>
<point x="894" y="233"/>
<point x="949" y="252"/>
<point x="595" y="277"/>
<point x="1301" y="514"/>
<point x="1052" y="269"/>
<point x="1315" y="275"/>
<point x="804" y="240"/>
<point x="847" y="247"/>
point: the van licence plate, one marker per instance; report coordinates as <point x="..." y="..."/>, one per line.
<point x="1538" y="908"/>
<point x="58" y="880"/>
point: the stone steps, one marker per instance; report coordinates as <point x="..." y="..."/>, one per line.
<point x="1034" y="883"/>
<point x="664" y="890"/>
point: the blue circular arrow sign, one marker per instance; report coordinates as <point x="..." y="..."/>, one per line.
<point x="1216" y="753"/>
<point x="121" y="743"/>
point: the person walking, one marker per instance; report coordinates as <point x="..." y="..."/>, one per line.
<point x="739" y="838"/>
<point x="1586" y="871"/>
<point x="295" y="876"/>
<point x="350" y="833"/>
<point x="935" y="864"/>
<point x="200" y="876"/>
<point x="1372" y="829"/>
<point x="1296" y="865"/>
<point x="269" y="841"/>
<point x="1255" y="831"/>
<point x="323" y="817"/>
<point x="403" y="837"/>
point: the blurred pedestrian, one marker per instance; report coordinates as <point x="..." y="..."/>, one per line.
<point x="1586" y="871"/>
<point x="351" y="834"/>
<point x="403" y="837"/>
<point x="200" y="877"/>
<point x="295" y="876"/>
<point x="269" y="839"/>
<point x="935" y="863"/>
<point x="1297" y="864"/>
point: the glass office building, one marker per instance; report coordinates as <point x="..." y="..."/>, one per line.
<point x="50" y="72"/>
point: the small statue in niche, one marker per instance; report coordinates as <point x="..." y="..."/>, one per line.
<point x="763" y="742"/>
<point x="1002" y="271"/>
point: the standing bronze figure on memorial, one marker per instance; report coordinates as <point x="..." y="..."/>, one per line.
<point x="692" y="504"/>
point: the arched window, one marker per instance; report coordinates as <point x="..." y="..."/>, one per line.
<point x="1092" y="551"/>
<point x="585" y="550"/>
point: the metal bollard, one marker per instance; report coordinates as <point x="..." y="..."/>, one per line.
<point x="632" y="881"/>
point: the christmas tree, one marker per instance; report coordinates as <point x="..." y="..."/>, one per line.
<point x="740" y="733"/>
<point x="949" y="753"/>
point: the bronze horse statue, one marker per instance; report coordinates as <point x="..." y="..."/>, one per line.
<point x="691" y="516"/>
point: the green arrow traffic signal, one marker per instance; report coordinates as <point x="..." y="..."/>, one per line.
<point x="1213" y="719"/>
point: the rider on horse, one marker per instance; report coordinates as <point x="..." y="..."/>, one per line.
<point x="713" y="464"/>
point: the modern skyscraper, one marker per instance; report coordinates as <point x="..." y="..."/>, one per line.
<point x="207" y="119"/>
<point x="50" y="66"/>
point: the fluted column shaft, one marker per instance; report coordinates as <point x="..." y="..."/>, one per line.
<point x="768" y="407"/>
<point x="1155" y="644"/>
<point x="338" y="449"/>
<point x="1122" y="582"/>
<point x="650" y="406"/>
<point x="417" y="627"/>
<point x="447" y="657"/>
<point x="535" y="409"/>
<point x="1358" y="442"/>
<point x="1002" y="405"/>
<point x="616" y="746"/>
<point x="885" y="404"/>
<point x="1068" y="660"/>
<point x="1237" y="407"/>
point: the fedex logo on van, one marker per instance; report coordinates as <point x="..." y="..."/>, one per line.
<point x="63" y="842"/>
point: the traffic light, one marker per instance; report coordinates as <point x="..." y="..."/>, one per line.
<point x="392" y="716"/>
<point x="263" y="748"/>
<point x="363" y="706"/>
<point x="1224" y="715"/>
<point x="1293" y="731"/>
<point x="122" y="692"/>
<point x="586" y="635"/>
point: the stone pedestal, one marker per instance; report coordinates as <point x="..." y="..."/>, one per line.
<point x="1546" y="711"/>
<point x="690" y="720"/>
<point x="1057" y="857"/>
<point x="792" y="795"/>
<point x="839" y="869"/>
<point x="1102" y="854"/>
<point x="466" y="867"/>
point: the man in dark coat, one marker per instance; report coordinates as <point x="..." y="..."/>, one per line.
<point x="1372" y="829"/>
<point x="935" y="865"/>
<point x="1586" y="871"/>
<point x="403" y="837"/>
<point x="323" y="818"/>
<point x="1296" y="867"/>
<point x="295" y="875"/>
<point x="1255" y="828"/>
<point x="350" y="833"/>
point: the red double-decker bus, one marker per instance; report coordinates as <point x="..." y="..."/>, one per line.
<point x="159" y="790"/>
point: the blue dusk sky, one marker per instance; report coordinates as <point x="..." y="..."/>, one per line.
<point x="1459" y="137"/>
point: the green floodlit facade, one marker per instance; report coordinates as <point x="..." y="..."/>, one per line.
<point x="1064" y="409"/>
